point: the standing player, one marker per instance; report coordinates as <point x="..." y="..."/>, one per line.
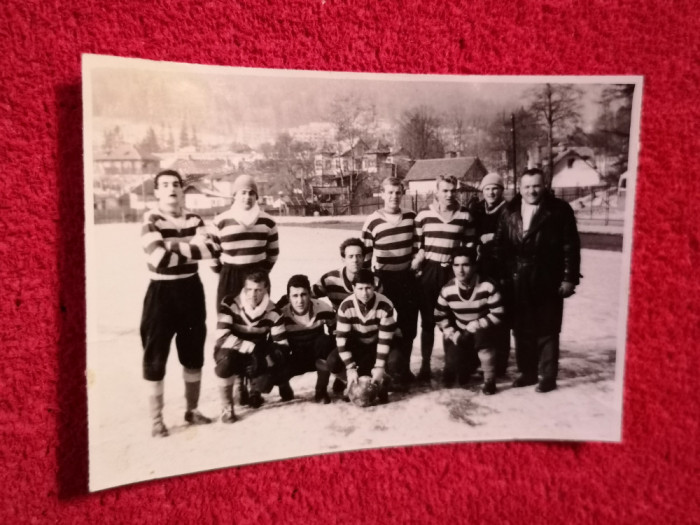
<point x="174" y="240"/>
<point x="486" y="214"/>
<point x="440" y="229"/>
<point x="366" y="326"/>
<point x="248" y="238"/>
<point x="337" y="284"/>
<point x="388" y="235"/>
<point x="468" y="309"/>
<point x="304" y="320"/>
<point x="251" y="342"/>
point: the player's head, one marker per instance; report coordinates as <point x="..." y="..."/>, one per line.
<point x="464" y="264"/>
<point x="299" y="293"/>
<point x="492" y="188"/>
<point x="353" y="253"/>
<point x="532" y="185"/>
<point x="167" y="186"/>
<point x="363" y="285"/>
<point x="245" y="191"/>
<point x="447" y="187"/>
<point x="255" y="287"/>
<point x="392" y="192"/>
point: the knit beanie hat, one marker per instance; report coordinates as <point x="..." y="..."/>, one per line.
<point x="245" y="182"/>
<point x="491" y="178"/>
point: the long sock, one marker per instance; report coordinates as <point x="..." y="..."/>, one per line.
<point x="427" y="340"/>
<point x="155" y="400"/>
<point x="193" y="385"/>
<point x="322" y="378"/>
<point x="226" y="392"/>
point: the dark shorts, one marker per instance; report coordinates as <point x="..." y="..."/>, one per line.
<point x="433" y="277"/>
<point x="173" y="309"/>
<point x="303" y="357"/>
<point x="365" y="357"/>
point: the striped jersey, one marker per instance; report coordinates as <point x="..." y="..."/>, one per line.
<point x="337" y="287"/>
<point x="240" y="329"/>
<point x="479" y="307"/>
<point x="173" y="245"/>
<point x="246" y="245"/>
<point x="303" y="330"/>
<point x="389" y="246"/>
<point x="374" y="323"/>
<point x="438" y="238"/>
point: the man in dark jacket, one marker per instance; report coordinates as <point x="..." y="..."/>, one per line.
<point x="538" y="242"/>
<point x="487" y="213"/>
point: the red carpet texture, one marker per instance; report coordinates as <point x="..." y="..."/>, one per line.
<point x="651" y="478"/>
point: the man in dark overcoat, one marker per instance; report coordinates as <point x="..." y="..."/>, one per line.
<point x="537" y="240"/>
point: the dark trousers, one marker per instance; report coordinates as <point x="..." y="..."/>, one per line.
<point x="232" y="279"/>
<point x="501" y="343"/>
<point x="537" y="351"/>
<point x="402" y="290"/>
<point x="433" y="277"/>
<point x="173" y="308"/>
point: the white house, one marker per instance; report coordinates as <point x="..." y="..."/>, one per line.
<point x="423" y="175"/>
<point x="575" y="169"/>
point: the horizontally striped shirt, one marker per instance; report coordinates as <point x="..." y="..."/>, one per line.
<point x="389" y="246"/>
<point x="303" y="331"/>
<point x="437" y="239"/>
<point x="373" y="324"/>
<point x="173" y="245"/>
<point x="480" y="307"/>
<point x="236" y="329"/>
<point x="337" y="287"/>
<point x="246" y="245"/>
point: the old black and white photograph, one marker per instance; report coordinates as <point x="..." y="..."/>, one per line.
<point x="289" y="263"/>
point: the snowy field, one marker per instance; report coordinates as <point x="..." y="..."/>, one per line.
<point x="586" y="407"/>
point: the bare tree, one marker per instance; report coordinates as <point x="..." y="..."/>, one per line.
<point x="557" y="107"/>
<point x="419" y="133"/>
<point x="355" y="120"/>
<point x="611" y="131"/>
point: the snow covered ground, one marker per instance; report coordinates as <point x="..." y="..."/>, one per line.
<point x="587" y="406"/>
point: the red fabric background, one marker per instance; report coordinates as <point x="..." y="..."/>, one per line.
<point x="652" y="477"/>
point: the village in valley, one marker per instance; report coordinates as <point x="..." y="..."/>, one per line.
<point x="334" y="167"/>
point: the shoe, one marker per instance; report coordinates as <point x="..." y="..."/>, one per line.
<point x="400" y="387"/>
<point x="195" y="417"/>
<point x="489" y="388"/>
<point x="322" y="396"/>
<point x="227" y="415"/>
<point x="382" y="396"/>
<point x="409" y="377"/>
<point x="448" y="380"/>
<point x="338" y="386"/>
<point x="255" y="400"/>
<point x="286" y="392"/>
<point x="523" y="380"/>
<point x="424" y="374"/>
<point x="159" y="429"/>
<point x="546" y="385"/>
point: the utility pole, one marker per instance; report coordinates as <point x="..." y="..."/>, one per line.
<point x="515" y="169"/>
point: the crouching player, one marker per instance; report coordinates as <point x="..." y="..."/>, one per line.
<point x="467" y="311"/>
<point x="251" y="343"/>
<point x="304" y="320"/>
<point x="174" y="240"/>
<point x="364" y="334"/>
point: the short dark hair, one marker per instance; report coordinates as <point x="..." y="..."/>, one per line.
<point x="299" y="281"/>
<point x="363" y="276"/>
<point x="465" y="251"/>
<point x="170" y="173"/>
<point x="532" y="172"/>
<point x="392" y="181"/>
<point x="258" y="276"/>
<point x="353" y="241"/>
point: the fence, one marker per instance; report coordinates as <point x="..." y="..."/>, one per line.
<point x="593" y="205"/>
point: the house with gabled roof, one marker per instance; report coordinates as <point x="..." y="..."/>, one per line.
<point x="575" y="167"/>
<point x="423" y="175"/>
